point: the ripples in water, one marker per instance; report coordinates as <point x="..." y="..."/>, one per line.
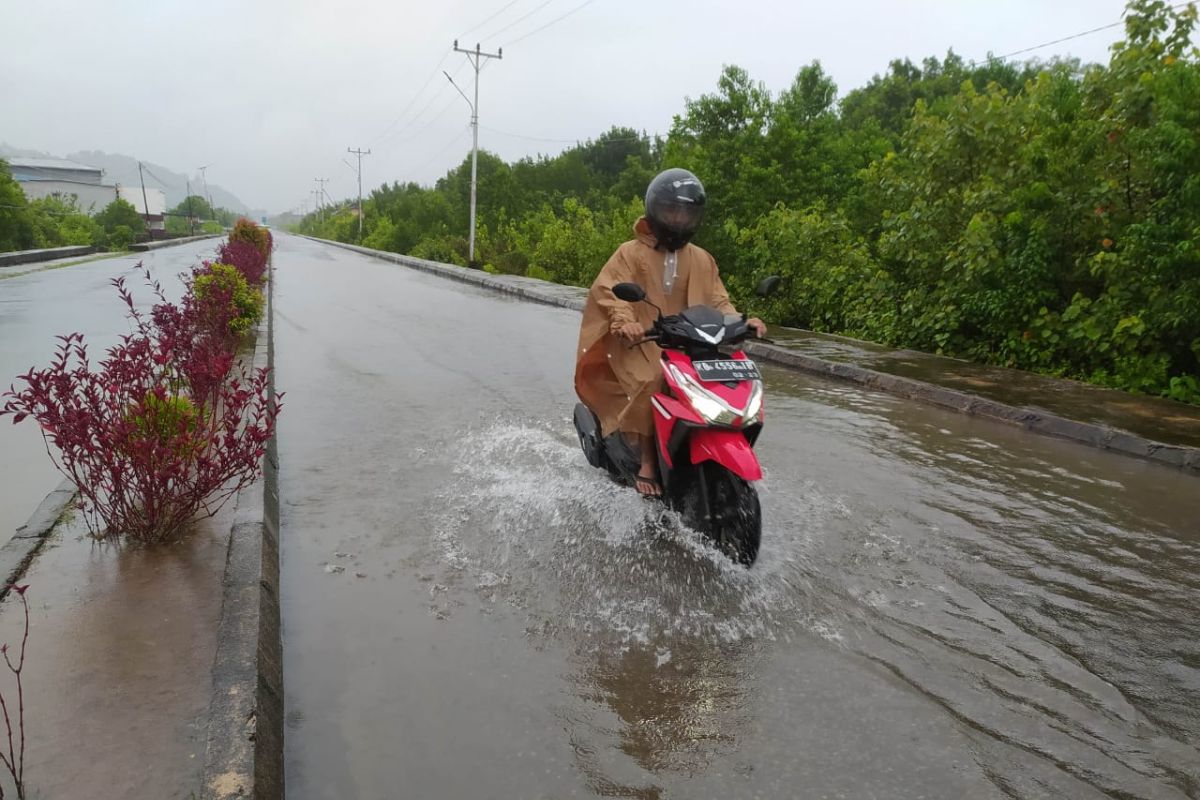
<point x="1053" y="635"/>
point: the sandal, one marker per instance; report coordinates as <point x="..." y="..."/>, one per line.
<point x="647" y="486"/>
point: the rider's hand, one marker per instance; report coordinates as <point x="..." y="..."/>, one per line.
<point x="631" y="332"/>
<point x="758" y="326"/>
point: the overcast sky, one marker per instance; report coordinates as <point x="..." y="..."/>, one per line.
<point x="271" y="93"/>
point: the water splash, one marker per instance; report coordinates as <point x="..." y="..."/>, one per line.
<point x="527" y="521"/>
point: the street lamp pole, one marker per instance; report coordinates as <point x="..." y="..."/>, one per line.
<point x="207" y="194"/>
<point x="476" y="57"/>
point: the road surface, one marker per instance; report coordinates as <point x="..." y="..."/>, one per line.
<point x="943" y="608"/>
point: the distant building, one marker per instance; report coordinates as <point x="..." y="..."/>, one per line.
<point x="43" y="177"/>
<point x="54" y="169"/>
<point x="153" y="208"/>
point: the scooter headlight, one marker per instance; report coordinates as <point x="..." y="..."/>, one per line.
<point x="754" y="405"/>
<point x="710" y="407"/>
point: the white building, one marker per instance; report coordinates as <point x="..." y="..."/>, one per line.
<point x="43" y="177"/>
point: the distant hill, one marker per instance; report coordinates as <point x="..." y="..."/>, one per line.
<point x="123" y="170"/>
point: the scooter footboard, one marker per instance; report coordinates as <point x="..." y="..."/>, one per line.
<point x="728" y="448"/>
<point x="588" y="428"/>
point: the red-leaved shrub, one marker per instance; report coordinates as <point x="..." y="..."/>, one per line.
<point x="245" y="230"/>
<point x="246" y="257"/>
<point x="165" y="427"/>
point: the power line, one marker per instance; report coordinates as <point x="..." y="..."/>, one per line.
<point x="1079" y="35"/>
<point x="433" y="73"/>
<point x="413" y="134"/>
<point x="554" y="21"/>
<point x="417" y="115"/>
<point x="451" y="143"/>
<point x="413" y="101"/>
<point x="160" y="180"/>
<point x="597" y="140"/>
<point x="529" y="138"/>
<point x="31" y="207"/>
<point x="506" y="7"/>
<point x="519" y="20"/>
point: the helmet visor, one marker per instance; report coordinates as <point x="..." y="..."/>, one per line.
<point x="677" y="214"/>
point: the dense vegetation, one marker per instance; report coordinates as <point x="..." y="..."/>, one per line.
<point x="57" y="220"/>
<point x="195" y="216"/>
<point x="1044" y="216"/>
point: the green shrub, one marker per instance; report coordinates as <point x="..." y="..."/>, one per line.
<point x="120" y="238"/>
<point x="225" y="284"/>
<point x="168" y="420"/>
<point x="122" y="214"/>
<point x="540" y="274"/>
<point x="447" y="249"/>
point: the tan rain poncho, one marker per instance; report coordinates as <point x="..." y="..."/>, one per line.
<point x="613" y="380"/>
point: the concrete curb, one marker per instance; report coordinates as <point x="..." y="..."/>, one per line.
<point x="16" y="257"/>
<point x="18" y="551"/>
<point x="244" y="752"/>
<point x="143" y="247"/>
<point x="1032" y="419"/>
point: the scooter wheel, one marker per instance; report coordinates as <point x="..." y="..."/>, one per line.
<point x="735" y="522"/>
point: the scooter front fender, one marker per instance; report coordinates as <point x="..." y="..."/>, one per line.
<point x="669" y="412"/>
<point x="728" y="448"/>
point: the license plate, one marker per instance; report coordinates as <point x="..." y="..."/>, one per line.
<point x="727" y="371"/>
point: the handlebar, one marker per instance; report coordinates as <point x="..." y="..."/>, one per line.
<point x="649" y="335"/>
<point x="655" y="333"/>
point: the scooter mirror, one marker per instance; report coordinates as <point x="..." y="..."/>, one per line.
<point x="629" y="292"/>
<point x="767" y="286"/>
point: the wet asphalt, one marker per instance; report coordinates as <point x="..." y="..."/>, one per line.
<point x="944" y="607"/>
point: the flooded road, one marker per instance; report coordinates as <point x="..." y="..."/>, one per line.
<point x="37" y="306"/>
<point x="943" y="607"/>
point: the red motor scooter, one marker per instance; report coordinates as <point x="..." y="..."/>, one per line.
<point x="706" y="424"/>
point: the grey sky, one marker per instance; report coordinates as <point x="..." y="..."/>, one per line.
<point x="271" y="93"/>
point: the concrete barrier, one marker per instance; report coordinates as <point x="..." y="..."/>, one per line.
<point x="1035" y="420"/>
<point x="142" y="247"/>
<point x="33" y="256"/>
<point x="244" y="751"/>
<point x="18" y="551"/>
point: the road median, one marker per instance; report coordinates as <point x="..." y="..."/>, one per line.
<point x="143" y="247"/>
<point x="18" y="257"/>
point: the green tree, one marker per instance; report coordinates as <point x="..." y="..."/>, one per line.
<point x="59" y="222"/>
<point x="123" y="224"/>
<point x="1042" y="215"/>
<point x="16" y="221"/>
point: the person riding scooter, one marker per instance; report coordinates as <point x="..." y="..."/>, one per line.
<point x="614" y="380"/>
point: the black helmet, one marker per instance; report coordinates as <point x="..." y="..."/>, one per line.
<point x="674" y="207"/>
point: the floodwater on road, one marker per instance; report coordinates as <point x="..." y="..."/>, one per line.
<point x="37" y="306"/>
<point x="944" y="607"/>
<point x="116" y="679"/>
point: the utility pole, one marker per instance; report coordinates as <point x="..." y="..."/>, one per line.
<point x="145" y="203"/>
<point x="476" y="57"/>
<point x="360" y="153"/>
<point x="207" y="194"/>
<point x="320" y="191"/>
<point x="191" y="219"/>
